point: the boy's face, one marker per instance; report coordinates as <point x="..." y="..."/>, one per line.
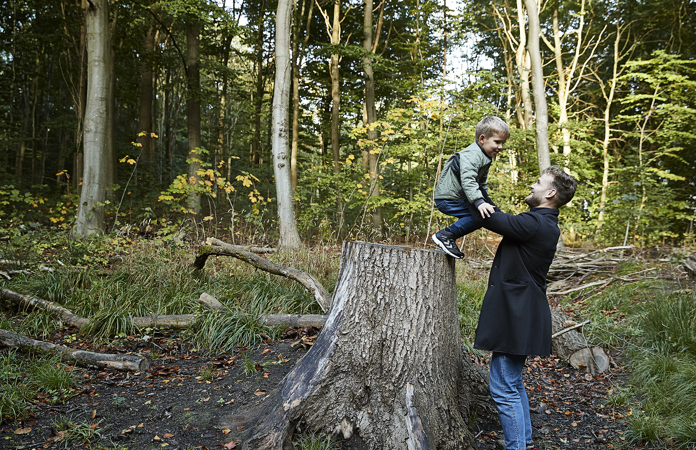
<point x="492" y="145"/>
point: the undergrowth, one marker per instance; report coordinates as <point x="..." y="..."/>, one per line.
<point x="655" y="327"/>
<point x="156" y="279"/>
<point x="23" y="380"/>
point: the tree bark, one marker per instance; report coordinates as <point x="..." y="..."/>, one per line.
<point x="538" y="88"/>
<point x="289" y="237"/>
<point x="389" y="358"/>
<point x="79" y="357"/>
<point x="90" y="217"/>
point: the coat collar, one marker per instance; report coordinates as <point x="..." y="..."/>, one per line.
<point x="484" y="152"/>
<point x="552" y="211"/>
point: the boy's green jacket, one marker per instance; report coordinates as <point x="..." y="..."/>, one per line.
<point x="474" y="165"/>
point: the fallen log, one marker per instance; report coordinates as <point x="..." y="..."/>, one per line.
<point x="29" y="302"/>
<point x="79" y="357"/>
<point x="216" y="247"/>
<point x="175" y="321"/>
<point x="572" y="347"/>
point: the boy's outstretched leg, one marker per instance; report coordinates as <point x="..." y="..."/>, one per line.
<point x="446" y="240"/>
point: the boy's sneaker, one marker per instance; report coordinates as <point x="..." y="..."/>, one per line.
<point x="445" y="241"/>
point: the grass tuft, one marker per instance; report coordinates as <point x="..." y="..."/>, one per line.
<point x="314" y="441"/>
<point x="70" y="429"/>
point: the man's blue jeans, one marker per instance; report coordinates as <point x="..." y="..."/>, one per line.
<point x="460" y="210"/>
<point x="510" y="397"/>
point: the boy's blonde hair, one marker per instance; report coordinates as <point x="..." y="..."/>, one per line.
<point x="488" y="126"/>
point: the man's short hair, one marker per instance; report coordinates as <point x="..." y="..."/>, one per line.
<point x="488" y="126"/>
<point x="563" y="183"/>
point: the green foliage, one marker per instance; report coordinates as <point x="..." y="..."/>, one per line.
<point x="469" y="301"/>
<point x="223" y="331"/>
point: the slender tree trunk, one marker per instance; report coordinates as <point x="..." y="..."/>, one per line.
<point x="297" y="55"/>
<point x="258" y="97"/>
<point x="111" y="166"/>
<point x="389" y="364"/>
<point x="90" y="217"/>
<point x="193" y="111"/>
<point x="542" y="114"/>
<point x="371" y="115"/>
<point x="523" y="69"/>
<point x="223" y="104"/>
<point x="167" y="113"/>
<point x="145" y="128"/>
<point x="289" y="237"/>
<point x="617" y="70"/>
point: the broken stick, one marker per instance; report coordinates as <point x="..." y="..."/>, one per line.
<point x="79" y="357"/>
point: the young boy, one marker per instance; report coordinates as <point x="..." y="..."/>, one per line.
<point x="462" y="189"/>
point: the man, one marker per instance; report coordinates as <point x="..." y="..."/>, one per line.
<point x="515" y="318"/>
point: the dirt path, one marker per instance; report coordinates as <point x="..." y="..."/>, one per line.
<point x="176" y="404"/>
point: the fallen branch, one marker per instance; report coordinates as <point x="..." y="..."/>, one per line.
<point x="217" y="247"/>
<point x="176" y="322"/>
<point x="29" y="302"/>
<point x="79" y="357"/>
<point x="565" y="330"/>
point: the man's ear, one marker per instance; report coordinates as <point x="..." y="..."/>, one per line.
<point x="550" y="194"/>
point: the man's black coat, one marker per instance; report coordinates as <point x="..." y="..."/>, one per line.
<point x="515" y="316"/>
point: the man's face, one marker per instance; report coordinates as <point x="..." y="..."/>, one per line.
<point x="540" y="190"/>
<point x="492" y="145"/>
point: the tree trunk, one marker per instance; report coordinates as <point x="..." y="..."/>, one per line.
<point x="193" y="111"/>
<point x="289" y="237"/>
<point x="542" y="112"/>
<point x="388" y="362"/>
<point x="258" y="97"/>
<point x="146" y="97"/>
<point x="90" y="218"/>
<point x="297" y="55"/>
<point x="371" y="114"/>
<point x="523" y="69"/>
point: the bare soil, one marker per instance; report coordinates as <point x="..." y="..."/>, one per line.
<point x="177" y="403"/>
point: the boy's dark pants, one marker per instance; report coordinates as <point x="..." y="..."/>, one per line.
<point x="462" y="210"/>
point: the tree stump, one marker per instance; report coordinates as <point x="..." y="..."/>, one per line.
<point x="572" y="347"/>
<point x="388" y="365"/>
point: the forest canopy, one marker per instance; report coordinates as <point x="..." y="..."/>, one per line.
<point x="381" y="94"/>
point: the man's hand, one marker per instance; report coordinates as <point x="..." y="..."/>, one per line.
<point x="486" y="209"/>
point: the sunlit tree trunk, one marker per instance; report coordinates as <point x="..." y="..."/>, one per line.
<point x="90" y="217"/>
<point x="193" y="110"/>
<point x="542" y="115"/>
<point x="608" y="94"/>
<point x="524" y="64"/>
<point x="289" y="237"/>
